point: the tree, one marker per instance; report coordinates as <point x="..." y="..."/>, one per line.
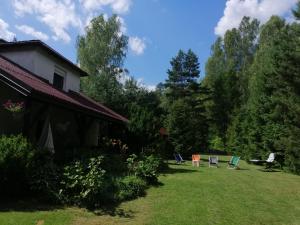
<point x="183" y="75"/>
<point x="296" y="11"/>
<point x="186" y="121"/>
<point x="227" y="77"/>
<point x="101" y="52"/>
<point x="103" y="47"/>
<point x="217" y="107"/>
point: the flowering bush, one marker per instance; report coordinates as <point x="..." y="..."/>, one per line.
<point x="83" y="183"/>
<point x="115" y="144"/>
<point x="14" y="106"/>
<point x="145" y="167"/>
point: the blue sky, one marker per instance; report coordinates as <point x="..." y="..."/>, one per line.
<point x="157" y="29"/>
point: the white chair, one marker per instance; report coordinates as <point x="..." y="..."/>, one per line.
<point x="269" y="162"/>
<point x="213" y="161"/>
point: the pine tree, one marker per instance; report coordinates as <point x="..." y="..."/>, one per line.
<point x="183" y="75"/>
<point x="186" y="120"/>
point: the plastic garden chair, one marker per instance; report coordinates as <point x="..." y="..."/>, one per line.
<point x="269" y="162"/>
<point x="213" y="161"/>
<point x="234" y="162"/>
<point x="178" y="158"/>
<point x="196" y="160"/>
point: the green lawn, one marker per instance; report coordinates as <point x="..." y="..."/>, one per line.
<point x="190" y="195"/>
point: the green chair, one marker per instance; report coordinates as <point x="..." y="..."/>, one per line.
<point x="234" y="162"/>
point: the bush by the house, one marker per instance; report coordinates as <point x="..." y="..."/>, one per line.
<point x="83" y="183"/>
<point x="15" y="153"/>
<point x="131" y="187"/>
<point x="44" y="176"/>
<point x="87" y="181"/>
<point x="146" y="168"/>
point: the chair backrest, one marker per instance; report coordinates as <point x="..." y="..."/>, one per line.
<point x="177" y="158"/>
<point x="213" y="159"/>
<point x="271" y="157"/>
<point x="235" y="160"/>
<point x="180" y="157"/>
<point x="195" y="157"/>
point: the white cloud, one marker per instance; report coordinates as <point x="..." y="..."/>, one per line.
<point x="137" y="45"/>
<point x="150" y="87"/>
<point x="59" y="16"/>
<point x="141" y="83"/>
<point x="235" y="10"/>
<point x="123" y="25"/>
<point x="4" y="31"/>
<point x="123" y="77"/>
<point x="31" y="31"/>
<point x="118" y="6"/>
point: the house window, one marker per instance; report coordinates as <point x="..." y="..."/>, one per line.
<point x="59" y="78"/>
<point x="58" y="81"/>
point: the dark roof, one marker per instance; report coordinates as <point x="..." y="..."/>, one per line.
<point x="28" y="83"/>
<point x="42" y="45"/>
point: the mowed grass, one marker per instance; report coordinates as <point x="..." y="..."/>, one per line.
<point x="190" y="195"/>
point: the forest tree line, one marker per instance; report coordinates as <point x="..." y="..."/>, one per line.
<point x="247" y="104"/>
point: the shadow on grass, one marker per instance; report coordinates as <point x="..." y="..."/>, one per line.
<point x="178" y="164"/>
<point x="34" y="205"/>
<point x="113" y="210"/>
<point x="179" y="170"/>
<point x="268" y="170"/>
<point x="220" y="161"/>
<point x="27" y="205"/>
<point x="241" y="169"/>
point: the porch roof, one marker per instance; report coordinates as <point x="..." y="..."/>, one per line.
<point x="30" y="84"/>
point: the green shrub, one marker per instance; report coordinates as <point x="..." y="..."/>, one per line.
<point x="83" y="183"/>
<point x="43" y="176"/>
<point x="15" y="154"/>
<point x="146" y="168"/>
<point x="114" y="164"/>
<point x="131" y="187"/>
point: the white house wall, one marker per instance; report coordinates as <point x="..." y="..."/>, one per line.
<point x="43" y="65"/>
<point x="24" y="58"/>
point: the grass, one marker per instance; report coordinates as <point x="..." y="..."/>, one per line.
<point x="190" y="195"/>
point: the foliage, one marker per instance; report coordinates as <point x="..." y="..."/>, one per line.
<point x="101" y="52"/>
<point x="146" y="168"/>
<point x="15" y="153"/>
<point x="253" y="76"/>
<point x="227" y="76"/>
<point x="83" y="182"/>
<point x="44" y="176"/>
<point x="296" y="11"/>
<point x="182" y="77"/>
<point x="131" y="187"/>
<point x="186" y="120"/>
<point x="103" y="47"/>
<point x="113" y="145"/>
<point x="216" y="143"/>
<point x="14" y="107"/>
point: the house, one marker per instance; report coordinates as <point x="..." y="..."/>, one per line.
<point x="56" y="114"/>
